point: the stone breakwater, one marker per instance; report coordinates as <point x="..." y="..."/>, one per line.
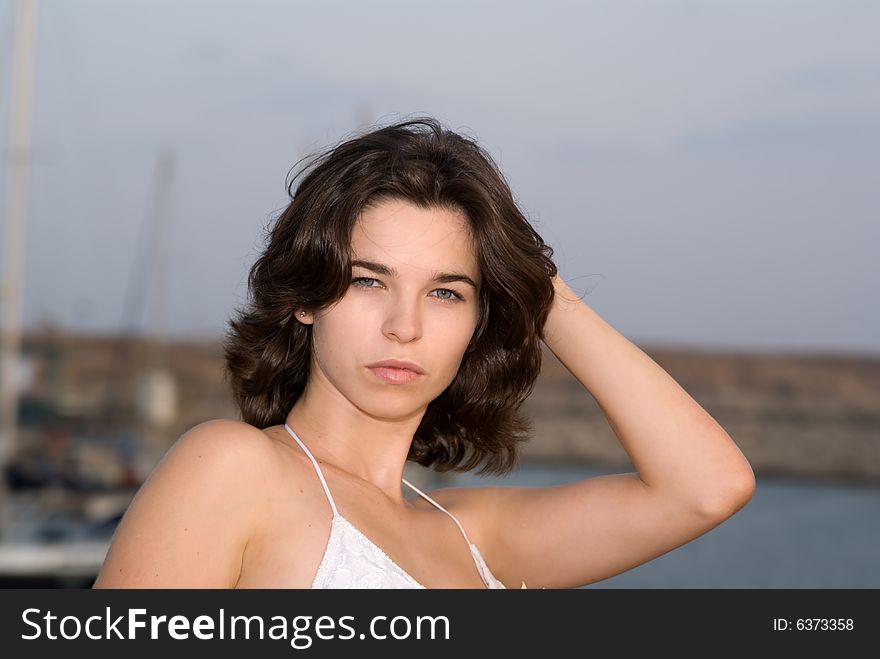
<point x="804" y="415"/>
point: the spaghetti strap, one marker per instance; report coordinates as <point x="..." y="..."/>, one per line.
<point x="317" y="469"/>
<point x="489" y="579"/>
<point x="454" y="518"/>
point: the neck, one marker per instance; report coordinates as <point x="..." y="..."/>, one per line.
<point x="369" y="448"/>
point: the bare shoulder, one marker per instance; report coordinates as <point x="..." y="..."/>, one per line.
<point x="225" y="452"/>
<point x="229" y="439"/>
<point x="190" y="521"/>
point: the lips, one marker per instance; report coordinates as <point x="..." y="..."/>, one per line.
<point x="395" y="375"/>
<point x="403" y="364"/>
<point x="397" y="371"/>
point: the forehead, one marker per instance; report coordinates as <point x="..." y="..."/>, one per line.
<point x="408" y="237"/>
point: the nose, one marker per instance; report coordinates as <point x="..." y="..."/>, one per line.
<point x="403" y="321"/>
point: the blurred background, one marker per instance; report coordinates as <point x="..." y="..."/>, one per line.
<point x="707" y="172"/>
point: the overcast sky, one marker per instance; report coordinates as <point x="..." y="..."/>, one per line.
<point x="708" y="171"/>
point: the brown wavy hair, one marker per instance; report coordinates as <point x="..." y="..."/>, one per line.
<point x="306" y="264"/>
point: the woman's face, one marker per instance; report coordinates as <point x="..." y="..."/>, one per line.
<point x="409" y="299"/>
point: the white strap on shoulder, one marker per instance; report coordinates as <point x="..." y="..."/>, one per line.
<point x="441" y="508"/>
<point x="317" y="469"/>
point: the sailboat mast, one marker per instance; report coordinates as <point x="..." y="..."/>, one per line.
<point x="17" y="187"/>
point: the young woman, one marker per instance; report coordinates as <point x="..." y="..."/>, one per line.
<point x="396" y="314"/>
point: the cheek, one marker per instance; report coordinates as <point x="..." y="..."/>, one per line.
<point x="330" y="340"/>
<point x="462" y="329"/>
<point x="451" y="342"/>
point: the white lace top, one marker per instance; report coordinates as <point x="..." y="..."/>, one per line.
<point x="352" y="560"/>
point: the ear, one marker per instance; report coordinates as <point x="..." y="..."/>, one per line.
<point x="304" y="316"/>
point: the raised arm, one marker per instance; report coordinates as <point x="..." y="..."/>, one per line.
<point x="690" y="474"/>
<point x="679" y="450"/>
<point x="188" y="525"/>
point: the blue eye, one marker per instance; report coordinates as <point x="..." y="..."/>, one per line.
<point x="455" y="296"/>
<point x="362" y="282"/>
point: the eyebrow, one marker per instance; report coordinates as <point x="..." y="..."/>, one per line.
<point x="440" y="277"/>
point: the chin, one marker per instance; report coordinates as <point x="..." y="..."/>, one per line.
<point x="392" y="405"/>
